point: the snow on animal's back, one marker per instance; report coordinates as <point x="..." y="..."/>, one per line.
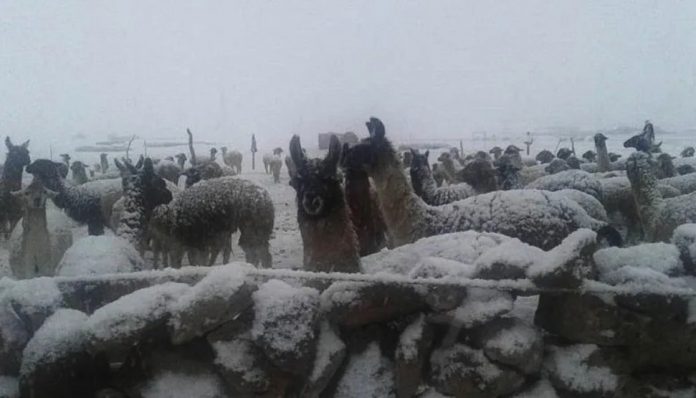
<point x="569" y="179"/>
<point x="539" y="218"/>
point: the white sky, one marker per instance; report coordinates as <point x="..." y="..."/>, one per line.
<point x="427" y="68"/>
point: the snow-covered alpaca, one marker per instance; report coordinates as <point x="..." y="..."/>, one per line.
<point x="658" y="216"/>
<point x="79" y="172"/>
<point x="480" y="174"/>
<point x="538" y="218"/>
<point x="424" y="184"/>
<point x="205" y="170"/>
<point x="604" y="161"/>
<point x="95" y="255"/>
<point x="33" y="257"/>
<point x="90" y="203"/>
<point x="232" y="159"/>
<point x="328" y="238"/>
<point x="203" y="212"/>
<point x="10" y="207"/>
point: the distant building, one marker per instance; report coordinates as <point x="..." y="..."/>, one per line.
<point x="325" y="139"/>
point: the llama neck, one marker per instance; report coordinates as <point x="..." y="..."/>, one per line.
<point x="131" y="226"/>
<point x="603" y="162"/>
<point x="330" y="243"/>
<point x="34" y="221"/>
<point x="649" y="203"/>
<point x="423" y="183"/>
<point x="12" y="176"/>
<point x="403" y="211"/>
<point x="363" y="214"/>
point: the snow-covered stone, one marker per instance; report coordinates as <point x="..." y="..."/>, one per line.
<point x="510" y="260"/>
<point x="512" y="343"/>
<point x="684" y="237"/>
<point x="620" y="265"/>
<point x="480" y="306"/>
<point x="242" y="365"/>
<point x="540" y="389"/>
<point x="570" y="369"/>
<point x="331" y="352"/>
<point x="285" y="324"/>
<point x="217" y="299"/>
<point x="33" y="300"/>
<point x="411" y="354"/>
<point x="567" y="264"/>
<point x="104" y="254"/>
<point x="367" y="375"/>
<point x="184" y="385"/>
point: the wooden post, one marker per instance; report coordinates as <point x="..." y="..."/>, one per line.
<point x="461" y="149"/>
<point x="253" y="152"/>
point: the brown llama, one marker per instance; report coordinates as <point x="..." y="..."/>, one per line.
<point x="328" y="238"/>
<point x="10" y="206"/>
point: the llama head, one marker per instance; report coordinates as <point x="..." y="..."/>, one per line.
<point x="496" y="151"/>
<point x="590" y="156"/>
<point x="78" y="167"/>
<point x="102" y="156"/>
<point x="316" y="181"/>
<point x="556" y="166"/>
<point x="512" y="150"/>
<point x="419" y="161"/>
<point x="614" y="156"/>
<point x="688" y="152"/>
<point x="213" y="153"/>
<point x="480" y="174"/>
<point x="17" y="155"/>
<point x="47" y="172"/>
<point x="640" y="142"/>
<point x="545" y="156"/>
<point x="140" y="181"/>
<point x="564" y="153"/>
<point x="407" y="158"/>
<point x="640" y="168"/>
<point x="374" y="151"/>
<point x="66" y="158"/>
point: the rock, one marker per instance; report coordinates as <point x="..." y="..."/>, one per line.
<point x="567" y="264"/>
<point x="510" y="260"/>
<point x="109" y="393"/>
<point x="133" y="318"/>
<point x="586" y="318"/>
<point x="199" y="383"/>
<point x="13" y="337"/>
<point x="285" y="323"/>
<point x="510" y="342"/>
<point x="670" y="346"/>
<point x="331" y="352"/>
<point x="540" y="389"/>
<point x="462" y="371"/>
<point x="34" y="300"/>
<point x="573" y="369"/>
<point x="357" y="303"/>
<point x="658" y="307"/>
<point x="411" y="354"/>
<point x="367" y="375"/>
<point x="656" y="386"/>
<point x="242" y="365"/>
<point x="56" y="362"/>
<point x="218" y="298"/>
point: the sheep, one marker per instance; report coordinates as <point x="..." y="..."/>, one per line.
<point x="539" y="218"/>
<point x="545" y="156"/>
<point x="10" y="207"/>
<point x="424" y="184"/>
<point x="658" y="216"/>
<point x="90" y="203"/>
<point x="203" y="212"/>
<point x="688" y="152"/>
<point x="79" y="174"/>
<point x="34" y="256"/>
<point x="479" y="174"/>
<point x="329" y="240"/>
<point x="275" y="165"/>
<point x="232" y="159"/>
<point x="267" y="159"/>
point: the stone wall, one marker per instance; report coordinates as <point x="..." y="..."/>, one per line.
<point x="236" y="331"/>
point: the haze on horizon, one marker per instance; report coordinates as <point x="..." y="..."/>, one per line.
<point x="428" y="69"/>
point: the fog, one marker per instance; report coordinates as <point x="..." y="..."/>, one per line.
<point x="428" y="69"/>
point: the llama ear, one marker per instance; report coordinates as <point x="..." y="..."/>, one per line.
<point x="426" y="155"/>
<point x="331" y="160"/>
<point x="139" y="165"/>
<point x="25" y="145"/>
<point x="296" y="152"/>
<point x="376" y="128"/>
<point x="148" y="167"/>
<point x="8" y="142"/>
<point x="119" y="166"/>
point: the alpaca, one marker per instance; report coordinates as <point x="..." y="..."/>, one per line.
<point x="508" y="172"/>
<point x="688" y="152"/>
<point x="232" y="159"/>
<point x="556" y="166"/>
<point x="515" y="213"/>
<point x="181" y="160"/>
<point x="79" y="174"/>
<point x="424" y="184"/>
<point x="665" y="167"/>
<point x="590" y="156"/>
<point x="201" y="213"/>
<point x="496" y="151"/>
<point x="545" y="156"/>
<point x="275" y="165"/>
<point x="33" y="257"/>
<point x="213" y="154"/>
<point x="480" y="175"/>
<point x="202" y="171"/>
<point x="90" y="203"/>
<point x="658" y="216"/>
<point x="10" y="207"/>
<point x="328" y="238"/>
<point x="267" y="159"/>
<point x="449" y="168"/>
<point x="603" y="161"/>
<point x="573" y="162"/>
<point x="103" y="163"/>
<point x="168" y="170"/>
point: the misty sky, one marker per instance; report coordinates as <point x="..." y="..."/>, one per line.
<point x="427" y="68"/>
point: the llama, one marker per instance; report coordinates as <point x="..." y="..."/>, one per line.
<point x="181" y="160"/>
<point x="232" y="159"/>
<point x="328" y="238"/>
<point x="169" y="170"/>
<point x="275" y="165"/>
<point x="449" y="169"/>
<point x="496" y="151"/>
<point x="79" y="173"/>
<point x="508" y="172"/>
<point x="424" y="184"/>
<point x="480" y="175"/>
<point x="267" y="159"/>
<point x="665" y="167"/>
<point x="33" y="257"/>
<point x="10" y="207"/>
<point x="205" y="211"/>
<point x="213" y="154"/>
<point x="658" y="216"/>
<point x="590" y="156"/>
<point x="103" y="163"/>
<point x="513" y="213"/>
<point x="603" y="161"/>
<point x="564" y="153"/>
<point x="90" y="203"/>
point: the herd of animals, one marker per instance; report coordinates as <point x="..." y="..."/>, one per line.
<point x="355" y="201"/>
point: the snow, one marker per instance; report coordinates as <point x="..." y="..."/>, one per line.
<point x="648" y="263"/>
<point x="684" y="237"/>
<point x="237" y="356"/>
<point x="511" y="341"/>
<point x="542" y="389"/>
<point x="480" y="306"/>
<point x="100" y="255"/>
<point x="9" y="387"/>
<point x="367" y="375"/>
<point x="38" y="295"/>
<point x="284" y="315"/>
<point x="435" y="267"/>
<point x="569" y="364"/>
<point x="513" y="253"/>
<point x="61" y="334"/>
<point x="562" y="254"/>
<point x="410" y="337"/>
<point x="570" y="179"/>
<point x="329" y="345"/>
<point x="448" y="362"/>
<point x="171" y="384"/>
<point x="133" y="312"/>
